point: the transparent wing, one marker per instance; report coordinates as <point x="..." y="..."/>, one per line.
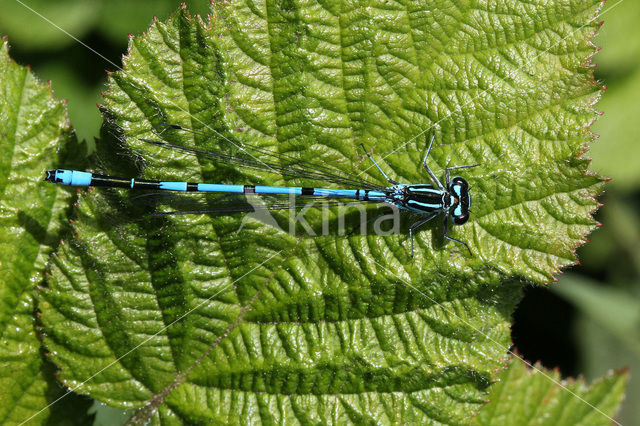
<point x="264" y="160"/>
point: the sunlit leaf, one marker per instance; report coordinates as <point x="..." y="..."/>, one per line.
<point x="34" y="125"/>
<point x="536" y="396"/>
<point x="189" y="318"/>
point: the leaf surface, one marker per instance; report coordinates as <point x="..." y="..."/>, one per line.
<point x="34" y="125"/>
<point x="538" y="396"/>
<point x="190" y="318"/>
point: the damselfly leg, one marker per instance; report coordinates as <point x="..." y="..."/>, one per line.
<point x="445" y="223"/>
<point x="448" y="189"/>
<point x="426" y="167"/>
<point x="448" y="169"/>
<point x="391" y="181"/>
<point x="417" y="225"/>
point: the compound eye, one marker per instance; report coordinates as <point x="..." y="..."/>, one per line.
<point x="460" y="218"/>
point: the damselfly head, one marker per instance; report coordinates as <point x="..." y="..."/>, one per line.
<point x="459" y="190"/>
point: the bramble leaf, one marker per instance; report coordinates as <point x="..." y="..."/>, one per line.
<point x="34" y="125"/>
<point x="205" y="318"/>
<point x="527" y="396"/>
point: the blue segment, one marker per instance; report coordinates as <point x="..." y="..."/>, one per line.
<point x="73" y="177"/>
<point x="340" y="193"/>
<point x="374" y="195"/>
<point x="132" y="182"/>
<point x="216" y="187"/>
<point x="458" y="210"/>
<point x="278" y="190"/>
<point x="457" y="189"/>
<point x="173" y="186"/>
<point x="63" y="176"/>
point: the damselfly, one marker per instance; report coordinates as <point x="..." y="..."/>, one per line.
<point x="452" y="199"/>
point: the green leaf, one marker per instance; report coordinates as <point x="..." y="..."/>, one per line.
<point x="189" y="318"/>
<point x="537" y="396"/>
<point x="613" y="309"/>
<point x="34" y="124"/>
<point x="608" y="328"/>
<point x="599" y="349"/>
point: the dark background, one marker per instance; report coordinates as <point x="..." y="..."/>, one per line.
<point x="586" y="324"/>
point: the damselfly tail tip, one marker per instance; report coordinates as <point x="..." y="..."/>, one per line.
<point x="50" y="176"/>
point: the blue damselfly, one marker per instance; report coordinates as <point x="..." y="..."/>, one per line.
<point x="451" y="199"/>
